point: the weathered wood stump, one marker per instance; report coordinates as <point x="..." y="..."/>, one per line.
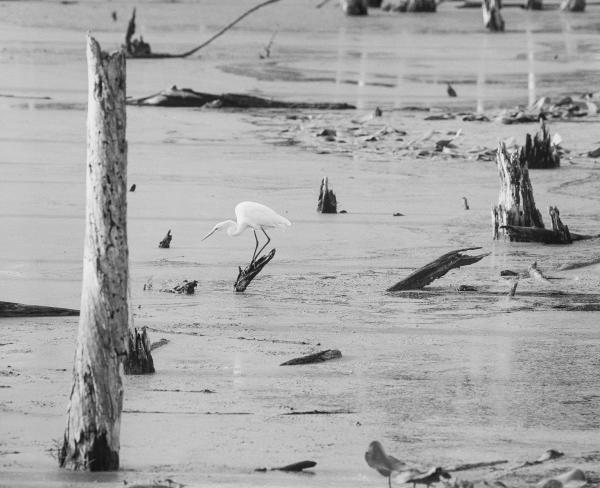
<point x="421" y="6"/>
<point x="184" y="288"/>
<point x="185" y="97"/>
<point x="11" y="309"/>
<point x="436" y="269"/>
<point x="91" y="439"/>
<point x="516" y="205"/>
<point x="355" y="7"/>
<point x="293" y="468"/>
<point x="573" y="5"/>
<point x="246" y="275"/>
<point x="539" y="151"/>
<point x="558" y="235"/>
<point x="492" y="19"/>
<point x="166" y="242"/>
<point x="327" y="202"/>
<point x="139" y="357"/>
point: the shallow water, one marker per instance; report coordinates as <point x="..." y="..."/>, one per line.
<point x="440" y="378"/>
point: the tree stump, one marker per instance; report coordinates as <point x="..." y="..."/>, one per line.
<point x="139" y="358"/>
<point x="516" y="205"/>
<point x="374" y="3"/>
<point x="492" y="19"/>
<point x="327" y="202"/>
<point x="421" y="6"/>
<point x="91" y="438"/>
<point x="540" y="152"/>
<point x="246" y="275"/>
<point x="534" y="5"/>
<point x="166" y="242"/>
<point x="573" y="5"/>
<point x="355" y="7"/>
<point x="558" y="235"/>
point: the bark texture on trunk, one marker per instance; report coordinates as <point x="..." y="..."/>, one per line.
<point x="91" y="438"/>
<point x="492" y="19"/>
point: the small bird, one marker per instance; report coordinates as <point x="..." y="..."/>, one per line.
<point x="451" y="92"/>
<point x="255" y="216"/>
<point x="384" y="464"/>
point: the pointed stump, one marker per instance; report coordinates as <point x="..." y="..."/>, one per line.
<point x="246" y="275"/>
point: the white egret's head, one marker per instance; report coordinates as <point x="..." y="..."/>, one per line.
<point x="219" y="226"/>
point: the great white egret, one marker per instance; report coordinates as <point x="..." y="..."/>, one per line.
<point x="255" y="216"/>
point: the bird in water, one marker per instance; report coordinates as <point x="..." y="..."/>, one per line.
<point x="384" y="464"/>
<point x="255" y="216"/>
<point x="451" y="92"/>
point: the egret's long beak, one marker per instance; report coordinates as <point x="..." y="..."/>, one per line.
<point x="209" y="234"/>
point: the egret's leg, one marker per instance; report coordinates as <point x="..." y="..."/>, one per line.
<point x="255" y="247"/>
<point x="266" y="243"/>
<point x="390" y="480"/>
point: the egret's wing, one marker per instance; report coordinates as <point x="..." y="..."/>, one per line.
<point x="257" y="215"/>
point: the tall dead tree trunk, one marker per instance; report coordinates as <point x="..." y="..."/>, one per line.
<point x="492" y="19"/>
<point x="516" y="205"/>
<point x="91" y="439"/>
<point x="573" y="5"/>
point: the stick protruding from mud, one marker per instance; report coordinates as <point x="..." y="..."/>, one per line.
<point x="436" y="269"/>
<point x="92" y="436"/>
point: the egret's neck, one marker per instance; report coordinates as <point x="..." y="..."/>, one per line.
<point x="233" y="229"/>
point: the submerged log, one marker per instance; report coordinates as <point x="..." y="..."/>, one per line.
<point x="573" y="5"/>
<point x="492" y="19"/>
<point x="516" y="205"/>
<point x="166" y="242"/>
<point x="317" y="357"/>
<point x="355" y="7"/>
<point x="540" y="152"/>
<point x="185" y="97"/>
<point x="139" y="355"/>
<point x="436" y="269"/>
<point x="327" y="202"/>
<point x="91" y="440"/>
<point x="246" y="275"/>
<point x="11" y="309"/>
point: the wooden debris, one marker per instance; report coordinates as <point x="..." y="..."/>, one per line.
<point x="185" y="97"/>
<point x="246" y="275"/>
<point x="558" y="235"/>
<point x="159" y="343"/>
<point x="516" y="205"/>
<point x="132" y="188"/>
<point x="535" y="273"/>
<point x="466" y="202"/>
<point x="327" y="202"/>
<point x="166" y="242"/>
<point x="91" y="437"/>
<point x="184" y="288"/>
<point x="319" y="412"/>
<point x="139" y="355"/>
<point x="293" y="468"/>
<point x="513" y="289"/>
<point x="267" y="49"/>
<point x="492" y="19"/>
<point x="540" y="152"/>
<point x="11" y="309"/>
<point x="469" y="466"/>
<point x="534" y="5"/>
<point x="436" y="269"/>
<point x="317" y="357"/>
<point x="573" y="5"/>
<point x="354" y="7"/>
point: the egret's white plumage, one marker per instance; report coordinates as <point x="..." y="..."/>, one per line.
<point x="255" y="216"/>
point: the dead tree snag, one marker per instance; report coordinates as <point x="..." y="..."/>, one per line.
<point x="246" y="275"/>
<point x="516" y="205"/>
<point x="91" y="438"/>
<point x="492" y="19"/>
<point x="327" y="201"/>
<point x="558" y="235"/>
<point x="166" y="242"/>
<point x="139" y="358"/>
<point x="540" y="152"/>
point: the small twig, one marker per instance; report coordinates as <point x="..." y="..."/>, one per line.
<point x="324" y="2"/>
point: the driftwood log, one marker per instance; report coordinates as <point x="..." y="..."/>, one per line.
<point x="185" y="97"/>
<point x="91" y="440"/>
<point x="327" y="202"/>
<point x="166" y="242"/>
<point x="139" y="356"/>
<point x="355" y="7"/>
<point x="317" y="357"/>
<point x="492" y="19"/>
<point x="246" y="275"/>
<point x="421" y="6"/>
<point x="184" y="288"/>
<point x="11" y="309"/>
<point x="294" y="467"/>
<point x="573" y="5"/>
<point x="539" y="150"/>
<point x="516" y="205"/>
<point x="436" y="269"/>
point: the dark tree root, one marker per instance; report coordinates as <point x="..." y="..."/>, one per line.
<point x="246" y="275"/>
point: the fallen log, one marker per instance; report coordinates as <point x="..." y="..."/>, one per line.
<point x="166" y="242"/>
<point x="317" y="357"/>
<point x="327" y="202"/>
<point x="11" y="309"/>
<point x="246" y="275"/>
<point x="186" y="97"/>
<point x="293" y="468"/>
<point x="436" y="269"/>
<point x="139" y="356"/>
<point x="516" y="205"/>
<point x="539" y="151"/>
<point x="492" y="19"/>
